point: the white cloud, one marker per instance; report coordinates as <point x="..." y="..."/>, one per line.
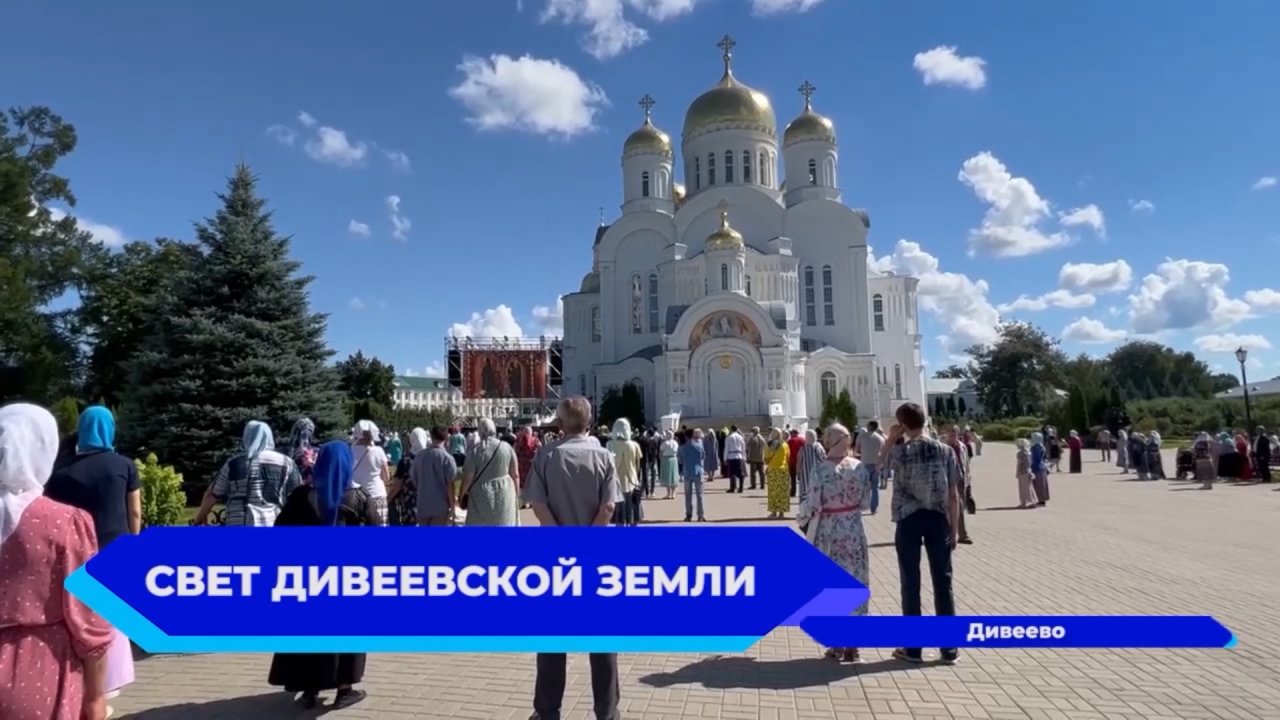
<point x="1184" y="294"/>
<point x="358" y="228"/>
<point x="1142" y="206"/>
<point x="959" y="303"/>
<point x="400" y="225"/>
<point x="282" y="134"/>
<point x="398" y="159"/>
<point x="528" y="94"/>
<point x="777" y="7"/>
<point x="1010" y="227"/>
<point x="1266" y="299"/>
<point x="1096" y="277"/>
<point x="1089" y="216"/>
<point x="494" y="322"/>
<point x="1091" y="332"/>
<point x="610" y="31"/>
<point x="944" y="66"/>
<point x="356" y="304"/>
<point x="432" y="370"/>
<point x="331" y="146"/>
<point x="1264" y="183"/>
<point x="105" y="235"/>
<point x="305" y="119"/>
<point x="550" y="319"/>
<point x="1230" y="342"/>
<point x="1055" y="298"/>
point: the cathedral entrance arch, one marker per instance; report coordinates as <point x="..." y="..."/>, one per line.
<point x="726" y="386"/>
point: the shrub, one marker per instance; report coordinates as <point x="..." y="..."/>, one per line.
<point x="163" y="500"/>
<point x="67" y="414"/>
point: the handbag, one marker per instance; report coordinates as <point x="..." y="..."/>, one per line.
<point x="465" y="500"/>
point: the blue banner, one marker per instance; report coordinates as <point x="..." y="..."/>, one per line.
<point x="1067" y="631"/>
<point x="294" y="589"/>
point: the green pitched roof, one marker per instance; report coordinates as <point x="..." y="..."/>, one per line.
<point x="421" y="383"/>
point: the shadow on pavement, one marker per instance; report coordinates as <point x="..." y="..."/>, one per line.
<point x="729" y="673"/>
<point x="1001" y="508"/>
<point x="267" y="705"/>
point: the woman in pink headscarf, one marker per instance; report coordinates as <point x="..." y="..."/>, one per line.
<point x="53" y="649"/>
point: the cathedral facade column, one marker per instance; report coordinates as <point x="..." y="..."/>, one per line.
<point x="608" y="312"/>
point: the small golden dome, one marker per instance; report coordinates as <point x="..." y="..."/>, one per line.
<point x="648" y="139"/>
<point x="590" y="283"/>
<point x="809" y="125"/>
<point x="725" y="238"/>
<point x="730" y="104"/>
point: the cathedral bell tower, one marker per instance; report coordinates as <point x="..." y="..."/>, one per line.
<point x="647" y="183"/>
<point x="809" y="154"/>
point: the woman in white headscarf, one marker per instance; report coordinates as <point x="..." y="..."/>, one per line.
<point x="1022" y="469"/>
<point x="372" y="471"/>
<point x="53" y="649"/>
<point x="626" y="461"/>
<point x="669" y="464"/>
<point x="403" y="494"/>
<point x="831" y="514"/>
<point x="811" y="456"/>
<point x="490" y="493"/>
<point x="254" y="484"/>
<point x="1202" y="456"/>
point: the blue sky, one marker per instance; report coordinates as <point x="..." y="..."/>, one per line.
<point x="1003" y="150"/>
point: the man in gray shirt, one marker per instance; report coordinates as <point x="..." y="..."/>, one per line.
<point x="870" y="443"/>
<point x="432" y="474"/>
<point x="573" y="482"/>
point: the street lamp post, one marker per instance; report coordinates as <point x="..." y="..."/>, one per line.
<point x="1242" y="355"/>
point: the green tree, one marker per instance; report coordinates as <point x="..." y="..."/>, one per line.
<point x="367" y="378"/>
<point x="1221" y="382"/>
<point x="163" y="500"/>
<point x="240" y="343"/>
<point x="1020" y="370"/>
<point x="67" y="414"/>
<point x="951" y="406"/>
<point x="954" y="372"/>
<point x="626" y="401"/>
<point x="839" y="408"/>
<point x="962" y="408"/>
<point x="1155" y="370"/>
<point x="939" y="406"/>
<point x="42" y="256"/>
<point x="125" y="294"/>
<point x="1077" y="412"/>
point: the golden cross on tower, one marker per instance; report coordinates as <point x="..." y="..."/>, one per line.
<point x="724" y="214"/>
<point x="647" y="103"/>
<point x="727" y="44"/>
<point x="807" y="90"/>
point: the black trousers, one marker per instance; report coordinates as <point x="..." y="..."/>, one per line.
<point x="548" y="689"/>
<point x="932" y="530"/>
<point x="791" y="470"/>
<point x="735" y="468"/>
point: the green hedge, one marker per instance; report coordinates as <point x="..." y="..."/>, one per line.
<point x="1171" y="417"/>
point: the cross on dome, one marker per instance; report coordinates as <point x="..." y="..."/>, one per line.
<point x="727" y="44"/>
<point x="724" y="214"/>
<point x="807" y="90"/>
<point x="647" y="102"/>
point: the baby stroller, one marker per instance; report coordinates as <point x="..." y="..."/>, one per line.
<point x="1186" y="464"/>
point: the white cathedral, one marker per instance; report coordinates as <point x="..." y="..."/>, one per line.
<point x="743" y="296"/>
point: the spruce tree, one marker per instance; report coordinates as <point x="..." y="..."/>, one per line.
<point x="240" y="343"/>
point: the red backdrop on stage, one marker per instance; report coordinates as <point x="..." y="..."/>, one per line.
<point x="504" y="373"/>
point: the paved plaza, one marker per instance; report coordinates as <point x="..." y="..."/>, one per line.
<point x="1103" y="546"/>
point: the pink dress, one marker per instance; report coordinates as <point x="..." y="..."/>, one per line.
<point x="44" y="632"/>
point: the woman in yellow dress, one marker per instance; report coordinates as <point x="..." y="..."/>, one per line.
<point x="777" y="480"/>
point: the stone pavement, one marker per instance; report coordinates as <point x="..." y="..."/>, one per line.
<point x="1103" y="546"/>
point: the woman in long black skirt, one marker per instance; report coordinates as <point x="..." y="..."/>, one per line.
<point x="328" y="500"/>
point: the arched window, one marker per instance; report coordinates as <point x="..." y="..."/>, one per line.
<point x="897" y="380"/>
<point x="724" y="276"/>
<point x="810" y="309"/>
<point x="595" y="324"/>
<point x="748" y="286"/>
<point x="746" y="166"/>
<point x="813" y="172"/>
<point x="728" y="166"/>
<point x="829" y="388"/>
<point x="711" y="169"/>
<point x="644" y="184"/>
<point x="762" y="174"/>
<point x="828" y="297"/>
<point x="653" y="303"/>
<point x="877" y="312"/>
<point x="697" y="173"/>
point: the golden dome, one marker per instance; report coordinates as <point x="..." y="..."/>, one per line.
<point x="809" y="125"/>
<point x="648" y="139"/>
<point x="726" y="238"/>
<point x="729" y="104"/>
<point x="590" y="283"/>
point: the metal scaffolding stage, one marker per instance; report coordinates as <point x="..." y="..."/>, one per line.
<point x="520" y="368"/>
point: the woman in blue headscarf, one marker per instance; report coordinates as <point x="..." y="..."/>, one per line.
<point x="254" y="483"/>
<point x="332" y="499"/>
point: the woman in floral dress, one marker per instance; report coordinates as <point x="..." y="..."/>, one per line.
<point x="831" y="515"/>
